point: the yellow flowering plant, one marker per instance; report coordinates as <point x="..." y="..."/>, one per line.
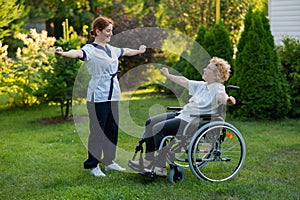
<point x="21" y="77"/>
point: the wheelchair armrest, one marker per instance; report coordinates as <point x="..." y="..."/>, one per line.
<point x="232" y="87"/>
<point x="205" y="116"/>
<point x="174" y="108"/>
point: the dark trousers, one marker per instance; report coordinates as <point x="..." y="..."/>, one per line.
<point x="103" y="138"/>
<point x="157" y="128"/>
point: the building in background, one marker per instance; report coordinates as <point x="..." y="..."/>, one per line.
<point x="284" y="16"/>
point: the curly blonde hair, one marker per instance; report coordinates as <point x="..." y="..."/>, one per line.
<point x="223" y="68"/>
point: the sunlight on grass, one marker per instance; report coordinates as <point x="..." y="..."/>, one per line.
<point x="139" y="95"/>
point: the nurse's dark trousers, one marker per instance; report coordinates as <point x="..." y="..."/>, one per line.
<point x="103" y="138"/>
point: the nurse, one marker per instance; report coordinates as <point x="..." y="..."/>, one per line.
<point x="103" y="94"/>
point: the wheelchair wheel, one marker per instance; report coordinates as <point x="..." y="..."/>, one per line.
<point x="176" y="174"/>
<point x="216" y="152"/>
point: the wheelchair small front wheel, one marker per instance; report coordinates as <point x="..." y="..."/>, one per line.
<point x="176" y="175"/>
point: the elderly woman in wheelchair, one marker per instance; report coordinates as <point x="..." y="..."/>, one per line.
<point x="183" y="129"/>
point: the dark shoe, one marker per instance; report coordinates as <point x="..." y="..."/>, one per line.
<point x="145" y="162"/>
<point x="159" y="171"/>
<point x="139" y="165"/>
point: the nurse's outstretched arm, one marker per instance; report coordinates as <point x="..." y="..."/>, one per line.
<point x="69" y="54"/>
<point x="133" y="52"/>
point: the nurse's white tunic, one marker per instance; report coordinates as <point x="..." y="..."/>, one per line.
<point x="102" y="64"/>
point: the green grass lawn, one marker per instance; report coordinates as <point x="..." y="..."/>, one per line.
<point x="45" y="161"/>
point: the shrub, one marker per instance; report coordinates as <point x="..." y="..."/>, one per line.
<point x="289" y="55"/>
<point x="60" y="79"/>
<point x="217" y="43"/>
<point x="21" y="77"/>
<point x="264" y="91"/>
<point x="191" y="71"/>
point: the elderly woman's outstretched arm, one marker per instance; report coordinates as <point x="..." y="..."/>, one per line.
<point x="180" y="80"/>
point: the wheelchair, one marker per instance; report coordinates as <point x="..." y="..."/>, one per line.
<point x="213" y="149"/>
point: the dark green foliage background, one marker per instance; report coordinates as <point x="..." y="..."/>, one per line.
<point x="264" y="90"/>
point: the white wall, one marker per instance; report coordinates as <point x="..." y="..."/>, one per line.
<point x="284" y="18"/>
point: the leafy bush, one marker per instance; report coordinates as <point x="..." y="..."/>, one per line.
<point x="60" y="79"/>
<point x="290" y="59"/>
<point x="21" y="77"/>
<point x="180" y="67"/>
<point x="10" y="12"/>
<point x="217" y="43"/>
<point x="190" y="71"/>
<point x="264" y="91"/>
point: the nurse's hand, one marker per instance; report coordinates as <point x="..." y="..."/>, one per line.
<point x="142" y="48"/>
<point x="59" y="51"/>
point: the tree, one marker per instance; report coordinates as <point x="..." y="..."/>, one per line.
<point x="186" y="16"/>
<point x="129" y="15"/>
<point x="54" y="12"/>
<point x="60" y="79"/>
<point x="10" y="11"/>
<point x="289" y="56"/>
<point x="257" y="71"/>
<point x="190" y="71"/>
<point x="217" y="43"/>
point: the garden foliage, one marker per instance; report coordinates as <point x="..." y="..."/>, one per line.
<point x="290" y="59"/>
<point x="194" y="72"/>
<point x="10" y="11"/>
<point x="21" y="77"/>
<point x="60" y="79"/>
<point x="264" y="90"/>
<point x="216" y="42"/>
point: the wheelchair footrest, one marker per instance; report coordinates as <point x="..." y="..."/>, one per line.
<point x="148" y="174"/>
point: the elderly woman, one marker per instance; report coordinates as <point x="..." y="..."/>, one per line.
<point x="206" y="95"/>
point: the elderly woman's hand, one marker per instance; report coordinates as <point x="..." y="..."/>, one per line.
<point x="231" y="100"/>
